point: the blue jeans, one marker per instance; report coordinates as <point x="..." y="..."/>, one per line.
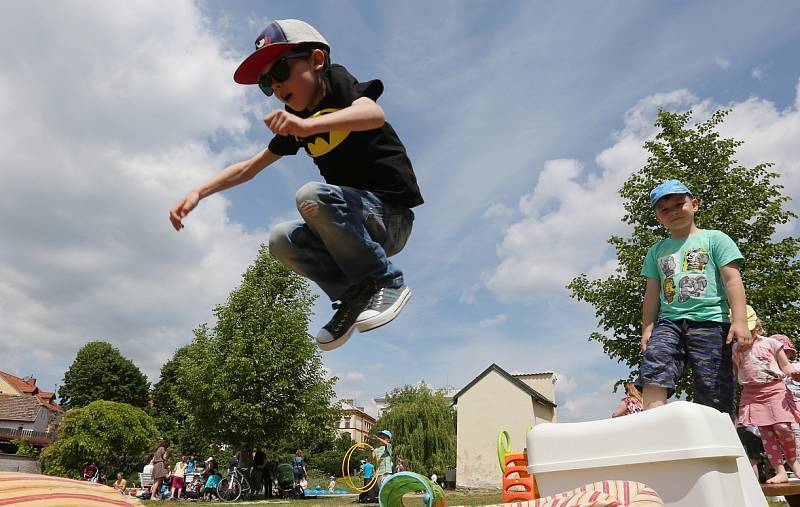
<point x="346" y="236"/>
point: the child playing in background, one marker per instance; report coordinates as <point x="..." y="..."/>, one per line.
<point x="120" y="484"/>
<point x="212" y="482"/>
<point x="178" y="473"/>
<point x="765" y="400"/>
<point x="631" y="403"/>
<point x="791" y="384"/>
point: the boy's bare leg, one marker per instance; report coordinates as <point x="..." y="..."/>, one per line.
<point x="653" y="396"/>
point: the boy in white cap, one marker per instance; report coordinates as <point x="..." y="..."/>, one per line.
<point x="693" y="284"/>
<point x="361" y="215"/>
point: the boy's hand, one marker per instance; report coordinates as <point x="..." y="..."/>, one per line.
<point x="284" y="123"/>
<point x="740" y="332"/>
<point x="183" y="208"/>
<point x="645" y="341"/>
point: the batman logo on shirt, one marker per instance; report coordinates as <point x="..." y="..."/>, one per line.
<point x="321" y="144"/>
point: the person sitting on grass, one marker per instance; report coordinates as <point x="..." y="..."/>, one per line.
<point x="120" y="484"/>
<point x="212" y="482"/>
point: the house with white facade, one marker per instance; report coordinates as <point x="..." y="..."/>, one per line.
<point x="494" y="401"/>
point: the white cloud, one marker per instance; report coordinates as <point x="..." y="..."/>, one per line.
<point x="112" y="109"/>
<point x="494" y="321"/>
<point x="354" y="376"/>
<point x="757" y="72"/>
<point x="497" y="210"/>
<point x="571" y="212"/>
<point x="722" y="63"/>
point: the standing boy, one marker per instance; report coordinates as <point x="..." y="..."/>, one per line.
<point x="693" y="283"/>
<point x="361" y="215"/>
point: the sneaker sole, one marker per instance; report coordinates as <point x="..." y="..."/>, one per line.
<point x="384" y="318"/>
<point x="335" y="344"/>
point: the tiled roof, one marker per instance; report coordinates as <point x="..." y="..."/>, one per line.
<point x="25" y="386"/>
<point x="28" y="386"/>
<point x="18" y="408"/>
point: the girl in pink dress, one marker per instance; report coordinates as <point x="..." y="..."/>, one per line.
<point x="765" y="401"/>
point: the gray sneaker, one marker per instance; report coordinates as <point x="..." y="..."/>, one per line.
<point x="338" y="330"/>
<point x="384" y="305"/>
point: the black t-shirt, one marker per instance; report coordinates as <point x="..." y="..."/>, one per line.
<point x="259" y="459"/>
<point x="373" y="160"/>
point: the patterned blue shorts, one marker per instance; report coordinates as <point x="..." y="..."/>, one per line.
<point x="702" y="344"/>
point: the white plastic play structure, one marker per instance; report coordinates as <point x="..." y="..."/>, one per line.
<point x="688" y="453"/>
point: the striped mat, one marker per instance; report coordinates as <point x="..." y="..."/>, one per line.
<point x="598" y="494"/>
<point x="31" y="490"/>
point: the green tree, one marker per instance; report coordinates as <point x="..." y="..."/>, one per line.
<point x="173" y="423"/>
<point x="328" y="458"/>
<point x="423" y="426"/>
<point x="113" y="435"/>
<point x="744" y="202"/>
<point x="100" y="372"/>
<point x="25" y="448"/>
<point x="257" y="376"/>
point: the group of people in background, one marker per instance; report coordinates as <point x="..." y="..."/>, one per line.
<point x="172" y="483"/>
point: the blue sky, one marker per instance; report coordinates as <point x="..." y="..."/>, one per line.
<point x="522" y="122"/>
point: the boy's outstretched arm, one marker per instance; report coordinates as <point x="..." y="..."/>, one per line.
<point x="649" y="310"/>
<point x="734" y="288"/>
<point x="231" y="176"/>
<point x="363" y="114"/>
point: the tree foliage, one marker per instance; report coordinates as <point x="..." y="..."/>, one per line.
<point x="25" y="448"/>
<point x="100" y="372"/>
<point x="328" y="458"/>
<point x="173" y="423"/>
<point x="257" y="377"/>
<point x="423" y="425"/>
<point x="113" y="435"/>
<point x="746" y="203"/>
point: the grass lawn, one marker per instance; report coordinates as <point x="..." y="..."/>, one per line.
<point x="472" y="498"/>
<point x="451" y="498"/>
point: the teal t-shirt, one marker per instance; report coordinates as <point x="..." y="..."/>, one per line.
<point x="688" y="273"/>
<point x="368" y="469"/>
<point x="384" y="455"/>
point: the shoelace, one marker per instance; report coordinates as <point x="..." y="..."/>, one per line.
<point x="339" y="322"/>
<point x="376" y="299"/>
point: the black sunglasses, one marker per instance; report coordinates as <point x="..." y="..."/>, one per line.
<point x="279" y="72"/>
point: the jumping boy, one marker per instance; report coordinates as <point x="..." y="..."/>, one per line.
<point x="693" y="283"/>
<point x="361" y="215"/>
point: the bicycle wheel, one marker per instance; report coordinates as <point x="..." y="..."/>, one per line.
<point x="229" y="489"/>
<point x="246" y="490"/>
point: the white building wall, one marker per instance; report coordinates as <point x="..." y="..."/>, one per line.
<point x="490" y="406"/>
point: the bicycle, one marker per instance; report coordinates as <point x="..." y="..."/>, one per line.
<point x="232" y="487"/>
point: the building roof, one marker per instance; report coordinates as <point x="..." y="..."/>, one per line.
<point x="27" y="386"/>
<point x="23" y="385"/>
<point x="349" y="407"/>
<point x="536" y="395"/>
<point x="18" y="408"/>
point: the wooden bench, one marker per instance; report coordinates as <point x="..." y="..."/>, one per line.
<point x="145" y="480"/>
<point x="788" y="490"/>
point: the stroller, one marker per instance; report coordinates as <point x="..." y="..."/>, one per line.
<point x="284" y="479"/>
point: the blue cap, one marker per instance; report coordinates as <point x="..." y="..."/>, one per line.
<point x="386" y="432"/>
<point x="669" y="187"/>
